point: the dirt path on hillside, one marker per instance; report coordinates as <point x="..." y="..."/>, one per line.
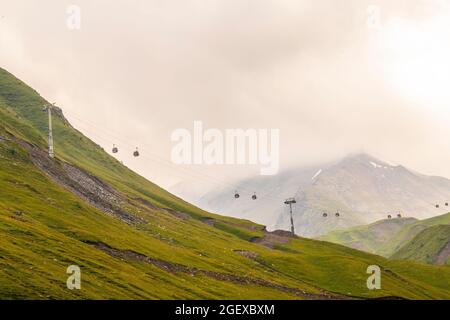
<point x="443" y="254"/>
<point x="178" y="268"/>
<point x="272" y="239"/>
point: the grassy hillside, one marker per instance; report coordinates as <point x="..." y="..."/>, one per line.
<point x="370" y="237"/>
<point x="431" y="245"/>
<point x="407" y="233"/>
<point x="385" y="237"/>
<point x="25" y="105"/>
<point x="133" y="240"/>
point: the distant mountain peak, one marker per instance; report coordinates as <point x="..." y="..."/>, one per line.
<point x="361" y="187"/>
<point x="363" y="158"/>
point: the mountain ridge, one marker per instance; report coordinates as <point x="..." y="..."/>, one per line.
<point x="391" y="237"/>
<point x="360" y="187"/>
<point x="368" y="238"/>
<point x="431" y="245"/>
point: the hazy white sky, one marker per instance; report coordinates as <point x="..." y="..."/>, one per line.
<point x="329" y="74"/>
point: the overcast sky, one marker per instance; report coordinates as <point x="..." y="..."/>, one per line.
<point x="336" y="77"/>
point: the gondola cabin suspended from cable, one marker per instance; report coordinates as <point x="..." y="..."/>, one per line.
<point x="115" y="149"/>
<point x="136" y="153"/>
<point x="325" y="214"/>
<point x="389" y="216"/>
<point x="254" y="197"/>
<point x="446" y="204"/>
<point x="399" y="215"/>
<point x="337" y="214"/>
<point x="236" y="195"/>
<point x="437" y="206"/>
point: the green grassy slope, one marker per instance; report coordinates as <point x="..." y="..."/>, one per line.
<point x="431" y="245"/>
<point x="370" y="237"/>
<point x="384" y="237"/>
<point x="171" y="251"/>
<point x="25" y="104"/>
<point x="407" y="233"/>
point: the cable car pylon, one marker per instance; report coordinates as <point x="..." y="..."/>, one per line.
<point x="48" y="108"/>
<point x="290" y="202"/>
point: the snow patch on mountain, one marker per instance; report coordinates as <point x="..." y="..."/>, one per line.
<point x="376" y="165"/>
<point x="316" y="174"/>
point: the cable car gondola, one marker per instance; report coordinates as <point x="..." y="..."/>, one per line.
<point x="337" y="214"/>
<point x="254" y="197"/>
<point x="399" y="215"/>
<point x="136" y="153"/>
<point x="437" y="206"/>
<point x="389" y="216"/>
<point x="236" y="195"/>
<point x="115" y="149"/>
<point x="446" y="204"/>
<point x="325" y="214"/>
